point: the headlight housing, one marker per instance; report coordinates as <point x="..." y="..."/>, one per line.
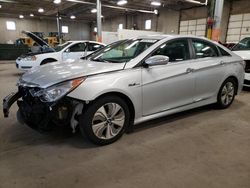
<point x="30" y="58"/>
<point x="57" y="91"/>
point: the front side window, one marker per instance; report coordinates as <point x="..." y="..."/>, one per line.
<point x="79" y="47"/>
<point x="175" y="50"/>
<point x="204" y="49"/>
<point x="244" y="44"/>
<point x="124" y="51"/>
<point x="61" y="46"/>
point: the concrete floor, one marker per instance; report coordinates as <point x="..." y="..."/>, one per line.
<point x="200" y="148"/>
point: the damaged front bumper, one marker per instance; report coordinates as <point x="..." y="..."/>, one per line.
<point x="8" y="101"/>
<point x="43" y="116"/>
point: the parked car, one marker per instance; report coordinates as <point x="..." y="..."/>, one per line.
<point x="243" y="50"/>
<point x="69" y="52"/>
<point x="128" y="83"/>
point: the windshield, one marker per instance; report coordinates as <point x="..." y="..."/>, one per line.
<point x="124" y="51"/>
<point x="61" y="46"/>
<point x="244" y="44"/>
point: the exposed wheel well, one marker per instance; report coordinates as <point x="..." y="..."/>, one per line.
<point x="127" y="100"/>
<point x="48" y="60"/>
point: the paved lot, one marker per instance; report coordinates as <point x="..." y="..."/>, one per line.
<point x="200" y="148"/>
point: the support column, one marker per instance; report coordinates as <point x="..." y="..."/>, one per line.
<point x="99" y="20"/>
<point x="217" y="17"/>
<point x="59" y="27"/>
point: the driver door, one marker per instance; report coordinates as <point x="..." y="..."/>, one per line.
<point x="168" y="86"/>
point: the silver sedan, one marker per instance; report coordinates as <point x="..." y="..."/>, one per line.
<point x="127" y="83"/>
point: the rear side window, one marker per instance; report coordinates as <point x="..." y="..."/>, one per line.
<point x="177" y="50"/>
<point x="223" y="52"/>
<point x="204" y="49"/>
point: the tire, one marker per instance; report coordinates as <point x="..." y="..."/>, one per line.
<point x="46" y="61"/>
<point x="99" y="125"/>
<point x="226" y="93"/>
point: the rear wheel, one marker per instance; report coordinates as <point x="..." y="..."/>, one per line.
<point x="227" y="93"/>
<point x="105" y="120"/>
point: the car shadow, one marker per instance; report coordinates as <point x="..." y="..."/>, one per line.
<point x="22" y="135"/>
<point x="167" y="120"/>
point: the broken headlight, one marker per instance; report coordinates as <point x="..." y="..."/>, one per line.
<point x="55" y="92"/>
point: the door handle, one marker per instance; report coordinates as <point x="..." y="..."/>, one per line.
<point x="189" y="70"/>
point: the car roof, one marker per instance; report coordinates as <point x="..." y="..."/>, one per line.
<point x="84" y="41"/>
<point x="160" y="37"/>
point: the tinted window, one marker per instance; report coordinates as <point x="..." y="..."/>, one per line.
<point x="175" y="50"/>
<point x="94" y="46"/>
<point x="244" y="44"/>
<point x="79" y="47"/>
<point x="223" y="52"/>
<point x="204" y="49"/>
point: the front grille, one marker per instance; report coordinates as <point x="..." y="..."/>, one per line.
<point x="247" y="69"/>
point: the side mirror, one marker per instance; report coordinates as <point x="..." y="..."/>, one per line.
<point x="67" y="50"/>
<point x="157" y="60"/>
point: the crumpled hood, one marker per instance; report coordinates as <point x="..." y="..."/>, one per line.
<point x="47" y="75"/>
<point x="244" y="54"/>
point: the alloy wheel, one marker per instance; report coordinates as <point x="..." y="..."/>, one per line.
<point x="108" y="121"/>
<point x="227" y="93"/>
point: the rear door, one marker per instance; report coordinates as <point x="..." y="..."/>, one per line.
<point x="208" y="70"/>
<point x="169" y="86"/>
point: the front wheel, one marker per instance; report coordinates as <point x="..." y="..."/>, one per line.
<point x="105" y="120"/>
<point x="227" y="93"/>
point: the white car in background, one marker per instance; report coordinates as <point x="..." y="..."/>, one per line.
<point x="242" y="49"/>
<point x="67" y="52"/>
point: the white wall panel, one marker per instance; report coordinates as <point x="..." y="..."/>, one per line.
<point x="238" y="27"/>
<point x="192" y="22"/>
<point x="184" y="28"/>
<point x="184" y="23"/>
<point x="234" y="31"/>
<point x="201" y="21"/>
<point x="193" y="27"/>
<point x="237" y="17"/>
<point x="235" y="24"/>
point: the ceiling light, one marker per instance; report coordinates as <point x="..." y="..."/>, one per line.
<point x="31" y="15"/>
<point x="156" y="11"/>
<point x="40" y="10"/>
<point x="21" y="16"/>
<point x="0" y="6"/>
<point x="94" y="10"/>
<point x="57" y="1"/>
<point x="156" y="3"/>
<point x="72" y="17"/>
<point x="122" y="2"/>
<point x="102" y="16"/>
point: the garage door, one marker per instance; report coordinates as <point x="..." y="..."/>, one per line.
<point x="238" y="27"/>
<point x="193" y="27"/>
